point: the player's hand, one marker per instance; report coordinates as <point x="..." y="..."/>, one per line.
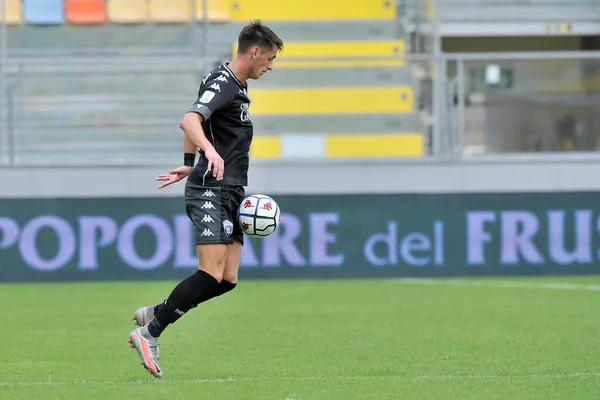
<point x="215" y="163"/>
<point x="174" y="176"/>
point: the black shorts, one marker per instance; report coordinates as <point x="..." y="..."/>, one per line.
<point x="213" y="211"/>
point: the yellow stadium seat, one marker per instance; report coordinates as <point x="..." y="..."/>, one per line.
<point x="14" y="12"/>
<point x="374" y="146"/>
<point x="332" y="100"/>
<point x="430" y="9"/>
<point x="218" y="10"/>
<point x="313" y="10"/>
<point x="171" y="11"/>
<point x="362" y="145"/>
<point x="127" y="11"/>
<point x="342" y="63"/>
<point x="344" y="49"/>
<point x="266" y="147"/>
<point x="321" y="54"/>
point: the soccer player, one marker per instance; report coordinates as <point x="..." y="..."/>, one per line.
<point x="218" y="126"/>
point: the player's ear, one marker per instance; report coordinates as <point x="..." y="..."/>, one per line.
<point x="255" y="50"/>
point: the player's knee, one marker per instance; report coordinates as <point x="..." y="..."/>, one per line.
<point x="212" y="259"/>
<point x="215" y="272"/>
<point x="230" y="275"/>
<point x="214" y="267"/>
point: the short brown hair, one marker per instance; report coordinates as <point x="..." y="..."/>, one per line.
<point x="257" y="34"/>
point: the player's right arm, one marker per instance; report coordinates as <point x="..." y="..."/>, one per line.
<point x="178" y="174"/>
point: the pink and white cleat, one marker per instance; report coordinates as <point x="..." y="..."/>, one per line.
<point x="147" y="349"/>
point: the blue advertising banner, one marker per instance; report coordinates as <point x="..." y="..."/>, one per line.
<point x="320" y="236"/>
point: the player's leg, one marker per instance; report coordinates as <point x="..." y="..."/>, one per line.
<point x="209" y="208"/>
<point x="230" y="273"/>
<point x="228" y="283"/>
<point x="195" y="289"/>
<point x="235" y="196"/>
<point x="203" y="206"/>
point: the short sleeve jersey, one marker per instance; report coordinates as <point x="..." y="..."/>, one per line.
<point x="223" y="102"/>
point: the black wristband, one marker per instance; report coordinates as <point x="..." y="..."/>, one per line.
<point x="189" y="159"/>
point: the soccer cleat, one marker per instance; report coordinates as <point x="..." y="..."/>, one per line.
<point x="147" y="350"/>
<point x="143" y="315"/>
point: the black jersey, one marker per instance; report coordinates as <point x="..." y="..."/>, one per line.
<point x="223" y="101"/>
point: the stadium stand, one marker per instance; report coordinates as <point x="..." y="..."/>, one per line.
<point x="341" y="85"/>
<point x="478" y="18"/>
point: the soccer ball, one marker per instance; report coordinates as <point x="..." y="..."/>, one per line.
<point x="259" y="215"/>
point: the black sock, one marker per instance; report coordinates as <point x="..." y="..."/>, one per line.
<point x="190" y="292"/>
<point x="224" y="287"/>
<point x="159" y="306"/>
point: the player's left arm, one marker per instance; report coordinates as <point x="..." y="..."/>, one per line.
<point x="215" y="94"/>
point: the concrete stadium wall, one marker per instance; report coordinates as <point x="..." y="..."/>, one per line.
<point x="316" y="178"/>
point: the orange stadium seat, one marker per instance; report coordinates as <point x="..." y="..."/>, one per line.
<point x="127" y="11"/>
<point x="14" y="12"/>
<point x="171" y="11"/>
<point x="218" y="10"/>
<point x="85" y="11"/>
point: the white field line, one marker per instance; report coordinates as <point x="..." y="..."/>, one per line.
<point x="306" y="378"/>
<point x="501" y="284"/>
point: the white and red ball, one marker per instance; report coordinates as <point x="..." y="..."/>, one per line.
<point x="259" y="215"/>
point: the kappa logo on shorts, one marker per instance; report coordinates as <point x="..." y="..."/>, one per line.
<point x="207" y="232"/>
<point x="228" y="227"/>
<point x="208" y="193"/>
<point x="207" y="218"/>
<point x="208" y="205"/>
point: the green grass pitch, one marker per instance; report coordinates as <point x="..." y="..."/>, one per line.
<point x="310" y="339"/>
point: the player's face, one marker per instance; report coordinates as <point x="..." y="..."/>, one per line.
<point x="262" y="62"/>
